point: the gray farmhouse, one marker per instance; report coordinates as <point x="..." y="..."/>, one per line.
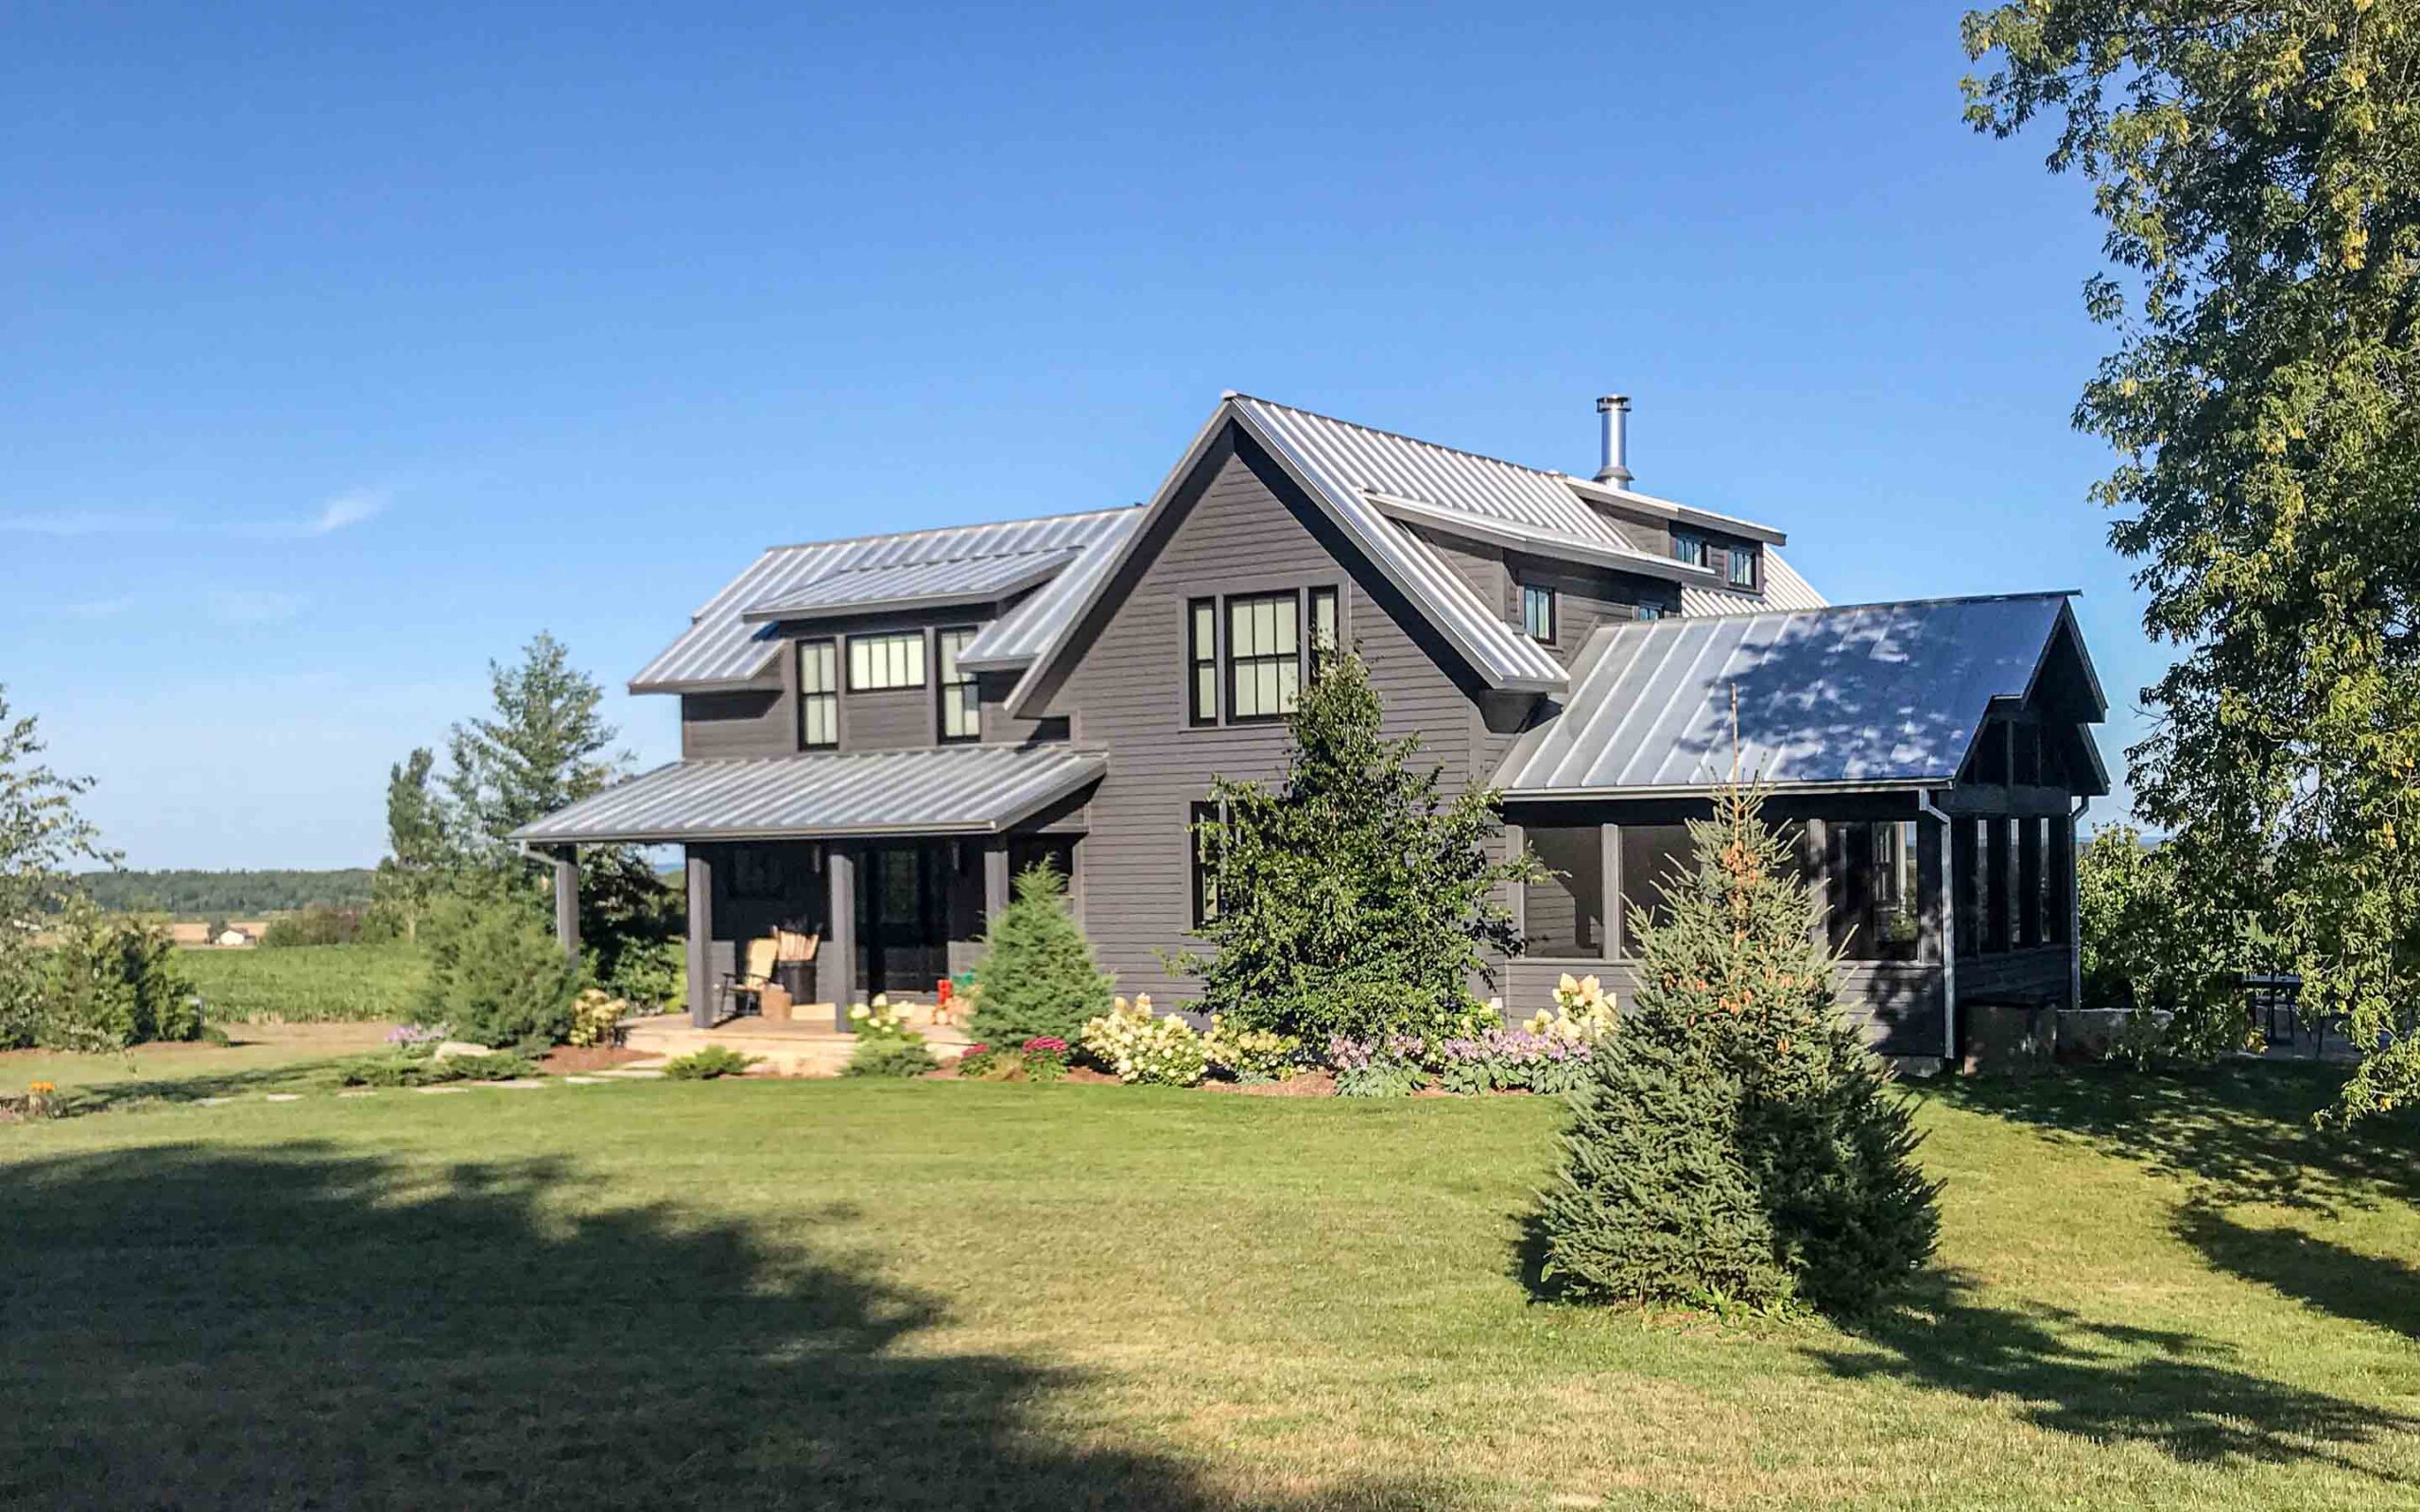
<point x="876" y="732"/>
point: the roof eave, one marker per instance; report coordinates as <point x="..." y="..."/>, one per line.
<point x="1601" y="793"/>
<point x="1513" y="537"/>
<point x="1671" y="509"/>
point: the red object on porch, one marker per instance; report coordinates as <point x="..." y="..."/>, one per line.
<point x="942" y="991"/>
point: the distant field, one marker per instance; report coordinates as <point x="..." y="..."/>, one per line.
<point x="307" y="983"/>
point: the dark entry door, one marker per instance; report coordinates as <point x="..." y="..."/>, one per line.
<point x="903" y="919"/>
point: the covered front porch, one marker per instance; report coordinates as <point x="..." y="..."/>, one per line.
<point x="892" y="863"/>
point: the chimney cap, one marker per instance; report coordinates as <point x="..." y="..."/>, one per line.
<point x="1612" y="401"/>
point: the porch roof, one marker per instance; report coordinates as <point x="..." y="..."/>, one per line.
<point x="952" y="790"/>
<point x="1862" y="695"/>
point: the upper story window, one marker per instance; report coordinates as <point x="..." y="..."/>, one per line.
<point x="1202" y="661"/>
<point x="1648" y="611"/>
<point x="961" y="701"/>
<point x="819" y="694"/>
<point x="1689" y="548"/>
<point x="1263" y="656"/>
<point x="880" y="661"/>
<point x="1326" y="634"/>
<point x="1740" y="569"/>
<point x="1537" y="611"/>
<point x="1207" y="835"/>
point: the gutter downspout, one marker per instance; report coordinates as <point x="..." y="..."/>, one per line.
<point x="1948" y="926"/>
<point x="2075" y="909"/>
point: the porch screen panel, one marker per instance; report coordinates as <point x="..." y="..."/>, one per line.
<point x="1564" y="916"/>
<point x="2029" y="880"/>
<point x="1652" y="856"/>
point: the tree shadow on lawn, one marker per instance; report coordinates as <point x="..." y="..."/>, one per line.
<point x="2319" y="1273"/>
<point x="199" y="1328"/>
<point x="2108" y="1382"/>
<point x="2241" y="1130"/>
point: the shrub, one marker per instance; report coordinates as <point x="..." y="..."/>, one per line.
<point x="982" y="1063"/>
<point x="1045" y="1058"/>
<point x="891" y="1057"/>
<point x="1138" y="1046"/>
<point x="1250" y="1054"/>
<point x="596" y="1016"/>
<point x="1355" y="898"/>
<point x="109" y="981"/>
<point x="879" y="1020"/>
<point x="708" y="1064"/>
<point x="411" y="1066"/>
<point x="1515" y="1060"/>
<point x="1042" y="1058"/>
<point x="1736" y="1140"/>
<point x="651" y="977"/>
<point x="496" y="973"/>
<point x="1037" y="975"/>
<point x="2142" y="948"/>
<point x="317" y="925"/>
<point x="1387" y="1066"/>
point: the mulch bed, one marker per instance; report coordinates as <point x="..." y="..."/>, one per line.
<point x="569" y="1060"/>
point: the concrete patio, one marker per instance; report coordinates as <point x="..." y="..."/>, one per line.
<point x="804" y="1046"/>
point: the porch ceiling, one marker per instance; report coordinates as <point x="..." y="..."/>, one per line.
<point x="957" y="790"/>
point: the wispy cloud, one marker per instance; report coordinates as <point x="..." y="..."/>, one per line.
<point x="83" y="522"/>
<point x="99" y="608"/>
<point x="252" y="605"/>
<point x="344" y="510"/>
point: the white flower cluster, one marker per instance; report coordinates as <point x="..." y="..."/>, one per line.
<point x="1139" y="1046"/>
<point x="1583" y="1012"/>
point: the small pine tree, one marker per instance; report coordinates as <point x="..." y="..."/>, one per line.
<point x="1038" y="977"/>
<point x="1736" y="993"/>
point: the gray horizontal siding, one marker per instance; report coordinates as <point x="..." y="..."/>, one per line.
<point x="1127" y="695"/>
<point x="737" y="723"/>
<point x="1897" y="1007"/>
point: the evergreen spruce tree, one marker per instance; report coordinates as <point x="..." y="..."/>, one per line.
<point x="1736" y="999"/>
<point x="1038" y="977"/>
<point x="1357" y="897"/>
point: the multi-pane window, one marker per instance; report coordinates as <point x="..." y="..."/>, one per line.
<point x="880" y="661"/>
<point x="1740" y="569"/>
<point x="1203" y="825"/>
<point x="1326" y="634"/>
<point x="1201" y="661"/>
<point x="1649" y="612"/>
<point x="1537" y="611"/>
<point x="961" y="701"/>
<point x="1263" y="656"/>
<point x="819" y="694"/>
<point x="1689" y="548"/>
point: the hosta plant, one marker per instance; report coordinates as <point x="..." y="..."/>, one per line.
<point x="1387" y="1066"/>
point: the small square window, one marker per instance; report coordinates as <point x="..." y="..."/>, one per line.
<point x="1537" y="612"/>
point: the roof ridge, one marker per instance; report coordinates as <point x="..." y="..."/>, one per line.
<point x="1548" y="473"/>
<point x="945" y="531"/>
<point x="1837" y="608"/>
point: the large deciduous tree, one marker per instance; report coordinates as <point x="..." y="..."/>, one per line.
<point x="40" y="836"/>
<point x="2258" y="169"/>
<point x="419" y="851"/>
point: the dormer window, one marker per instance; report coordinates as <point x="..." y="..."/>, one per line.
<point x="1741" y="569"/>
<point x="1688" y="549"/>
<point x="882" y="662"/>
<point x="1537" y="612"/>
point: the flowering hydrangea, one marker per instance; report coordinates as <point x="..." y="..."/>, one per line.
<point x="879" y="1021"/>
<point x="1250" y="1054"/>
<point x="1139" y="1046"/>
<point x="1584" y="1011"/>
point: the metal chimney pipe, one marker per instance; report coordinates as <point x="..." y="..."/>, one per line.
<point x="1615" y="410"/>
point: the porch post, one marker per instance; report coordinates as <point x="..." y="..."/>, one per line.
<point x="996" y="881"/>
<point x="700" y="945"/>
<point x="567" y="901"/>
<point x="841" y="937"/>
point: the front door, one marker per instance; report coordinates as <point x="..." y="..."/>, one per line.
<point x="903" y="919"/>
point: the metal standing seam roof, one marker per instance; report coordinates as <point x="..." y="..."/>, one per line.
<point x="862" y="589"/>
<point x="723" y="650"/>
<point x="950" y="790"/>
<point x="1868" y="693"/>
<point x="1783" y="589"/>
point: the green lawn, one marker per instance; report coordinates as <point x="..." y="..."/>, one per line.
<point x="307" y="983"/>
<point x="2153" y="1292"/>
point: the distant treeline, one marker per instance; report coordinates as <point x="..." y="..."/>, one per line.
<point x="227" y="894"/>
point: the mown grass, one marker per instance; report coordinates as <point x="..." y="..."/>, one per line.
<point x="2151" y="1291"/>
<point x="307" y="983"/>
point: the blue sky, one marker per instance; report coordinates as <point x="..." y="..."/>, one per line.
<point x="346" y="351"/>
